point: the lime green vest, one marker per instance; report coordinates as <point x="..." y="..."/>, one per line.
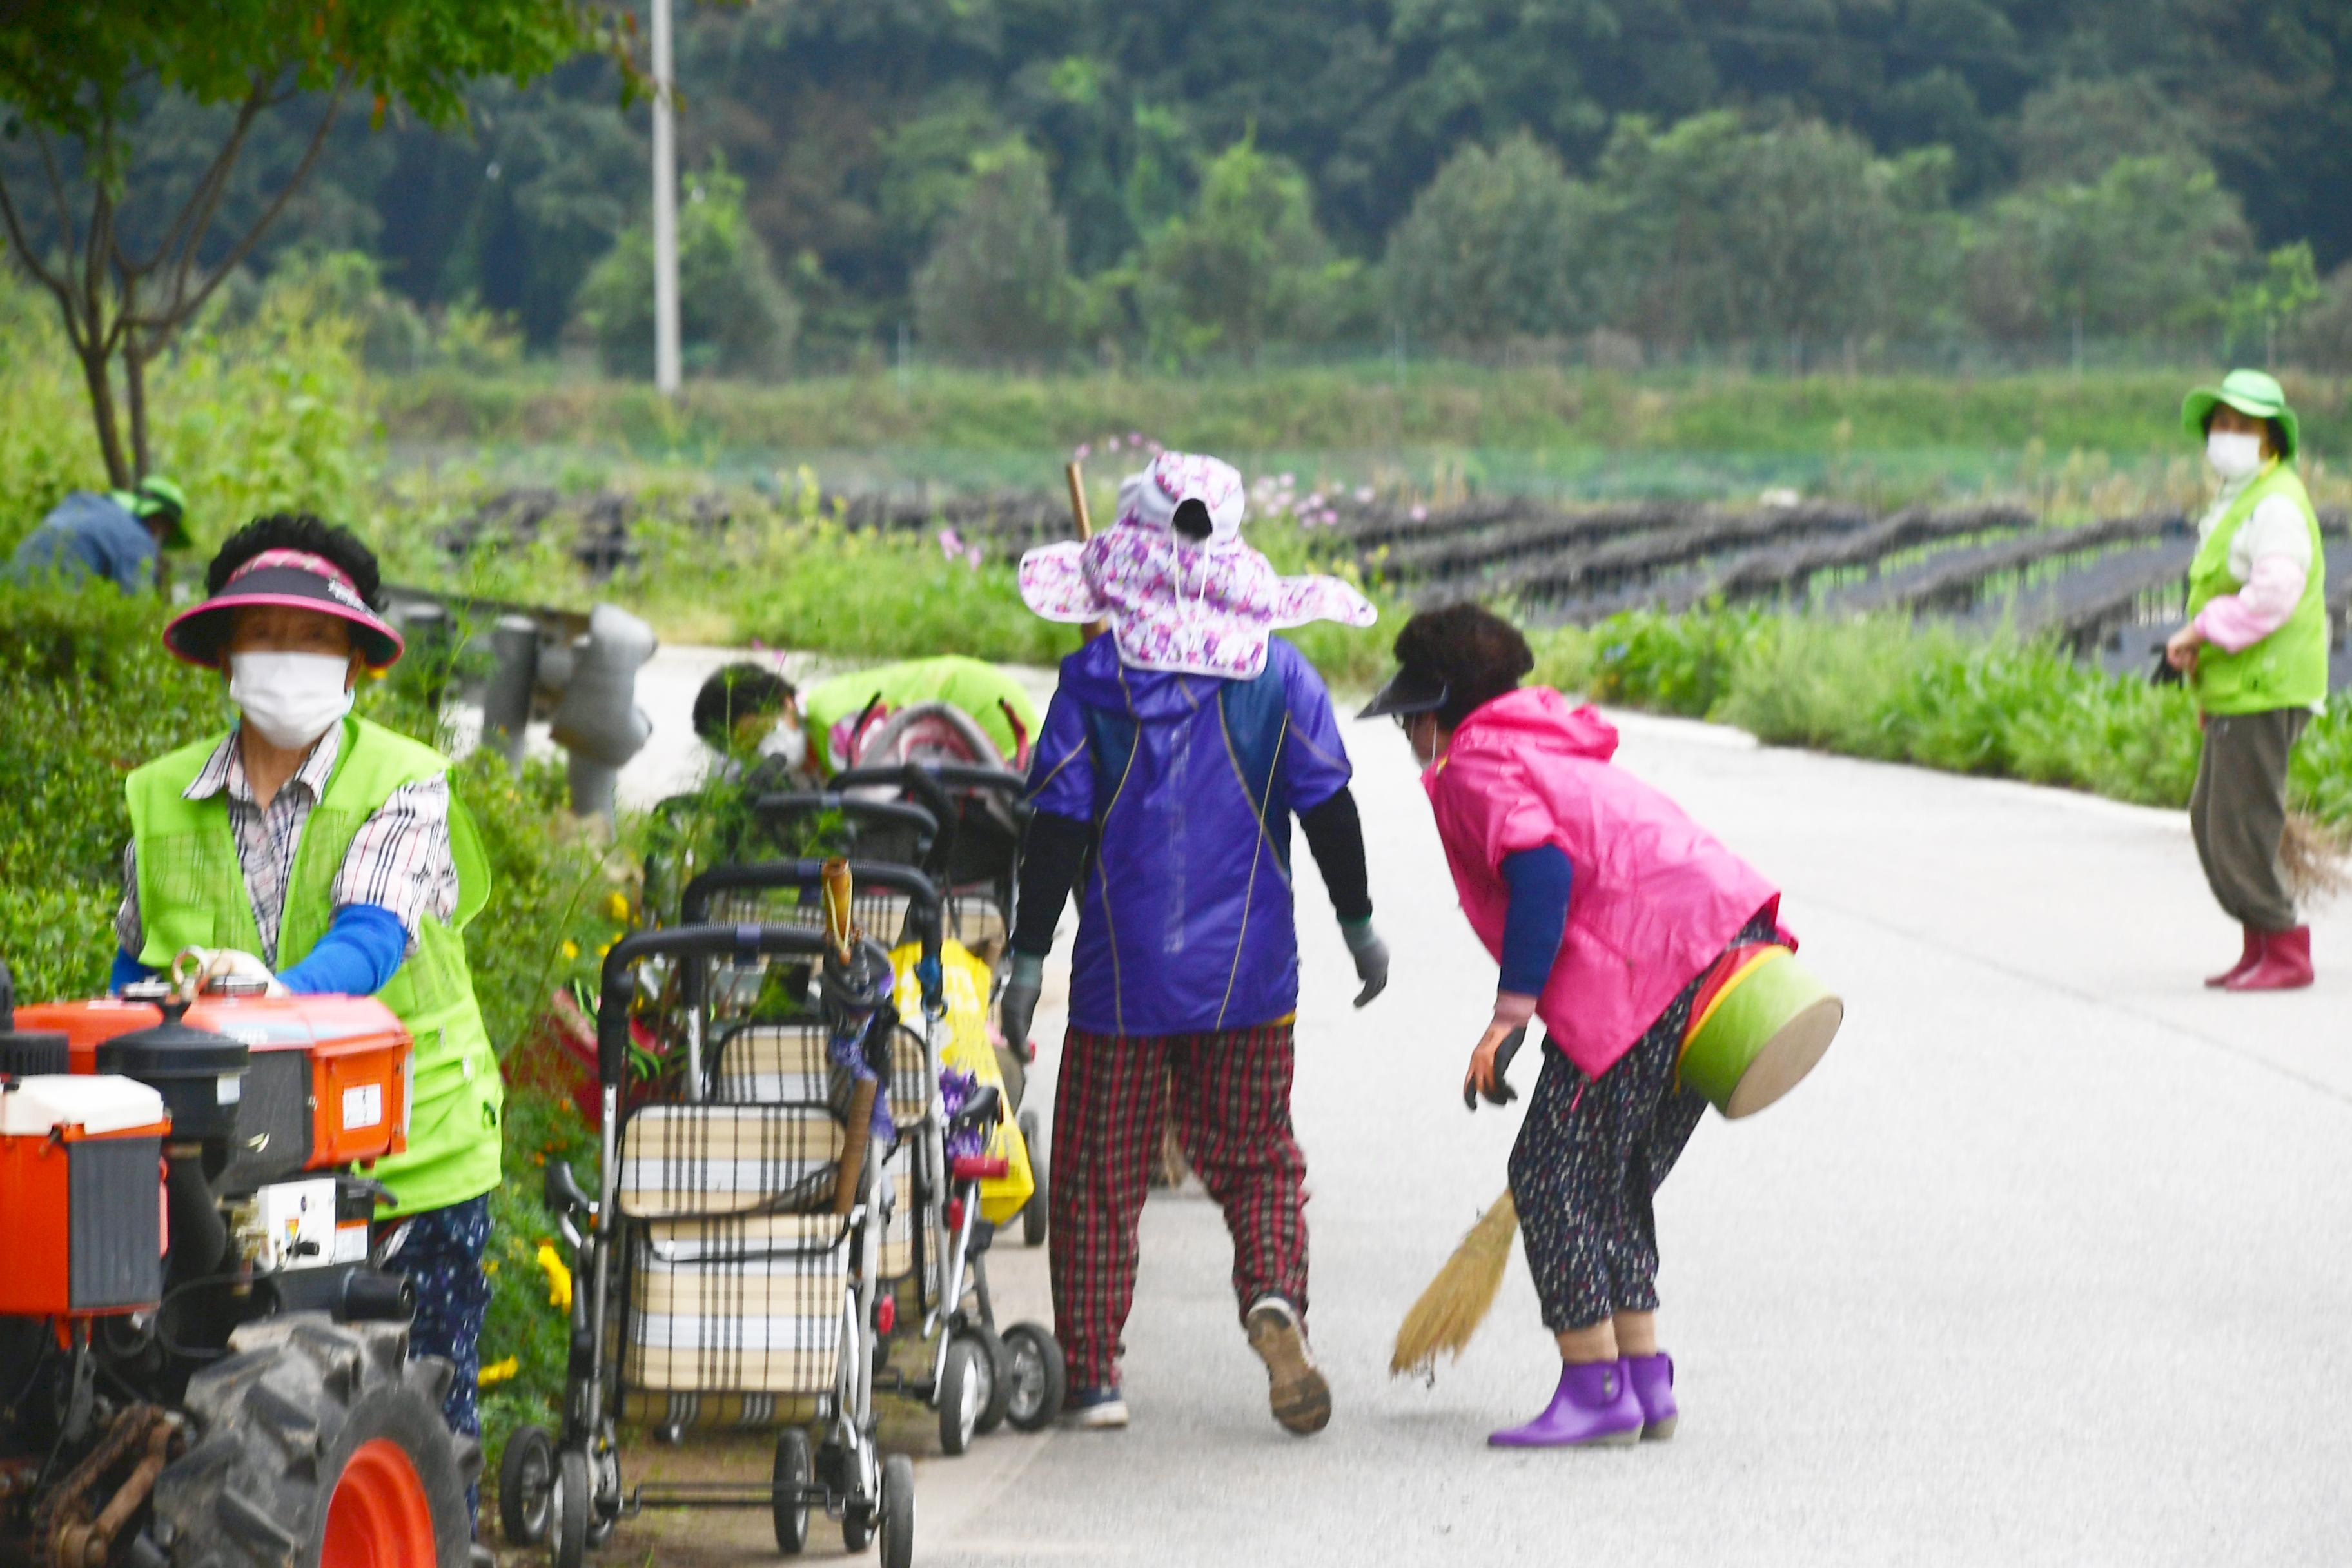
<point x="2287" y="669"/>
<point x="192" y="894"/>
<point x="973" y="685"/>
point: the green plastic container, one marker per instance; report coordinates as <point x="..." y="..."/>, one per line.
<point x="1767" y="1029"/>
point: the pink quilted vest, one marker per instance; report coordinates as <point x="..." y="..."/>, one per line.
<point x="1655" y="897"/>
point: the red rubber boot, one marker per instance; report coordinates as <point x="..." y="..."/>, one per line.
<point x="2285" y="962"/>
<point x="2246" y="960"/>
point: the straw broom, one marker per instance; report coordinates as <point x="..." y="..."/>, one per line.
<point x="1459" y="1298"/>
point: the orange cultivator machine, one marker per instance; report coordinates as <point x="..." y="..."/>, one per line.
<point x="200" y="1364"/>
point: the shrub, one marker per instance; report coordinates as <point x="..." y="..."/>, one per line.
<point x="998" y="279"/>
<point x="1245" y="267"/>
<point x="1495" y="248"/>
<point x="734" y="317"/>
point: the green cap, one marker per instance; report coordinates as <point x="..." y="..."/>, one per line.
<point x="2251" y="392"/>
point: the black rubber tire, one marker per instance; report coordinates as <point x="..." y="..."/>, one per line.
<point x="1036" y="1378"/>
<point x="527" y="1485"/>
<point x="275" y="1422"/>
<point x="1032" y="1212"/>
<point x="898" y="1512"/>
<point x="789" y="1500"/>
<point x="959" y="1395"/>
<point x="567" y="1544"/>
<point x="993" y="1358"/>
<point x="857" y="1525"/>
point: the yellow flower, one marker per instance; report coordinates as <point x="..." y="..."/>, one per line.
<point x="490" y="1267"/>
<point x="617" y="906"/>
<point x="571" y="949"/>
<point x="499" y="1371"/>
<point x="559" y="1278"/>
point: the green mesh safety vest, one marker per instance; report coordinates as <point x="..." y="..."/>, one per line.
<point x="192" y="894"/>
<point x="2287" y="669"/>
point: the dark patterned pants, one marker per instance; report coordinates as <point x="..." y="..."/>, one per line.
<point x="1229" y="1093"/>
<point x="442" y="1256"/>
<point x="1588" y="1164"/>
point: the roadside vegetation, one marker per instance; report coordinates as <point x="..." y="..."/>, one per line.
<point x="266" y="404"/>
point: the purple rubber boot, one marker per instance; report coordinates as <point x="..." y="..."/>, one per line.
<point x="1652" y="1377"/>
<point x="1594" y="1407"/>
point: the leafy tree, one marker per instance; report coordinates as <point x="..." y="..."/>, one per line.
<point x="145" y="253"/>
<point x="998" y="279"/>
<point x="1244" y="267"/>
<point x="2076" y="129"/>
<point x="2288" y="289"/>
<point x="1787" y="235"/>
<point x="2322" y="337"/>
<point x="734" y="317"/>
<point x="1500" y="245"/>
<point x="2145" y="250"/>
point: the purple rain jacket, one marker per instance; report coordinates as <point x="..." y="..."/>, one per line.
<point x="1184" y="914"/>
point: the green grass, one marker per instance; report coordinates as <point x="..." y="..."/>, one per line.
<point x="1927" y="696"/>
<point x="1543" y="430"/>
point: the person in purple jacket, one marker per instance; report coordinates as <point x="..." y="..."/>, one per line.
<point x="1172" y="758"/>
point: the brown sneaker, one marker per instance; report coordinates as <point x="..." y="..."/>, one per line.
<point x="1301" y="1399"/>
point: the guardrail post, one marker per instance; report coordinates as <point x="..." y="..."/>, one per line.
<point x="506" y="698"/>
<point x="599" y="722"/>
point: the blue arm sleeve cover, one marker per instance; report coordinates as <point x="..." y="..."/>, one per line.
<point x="127" y="971"/>
<point x="1537" y="919"/>
<point x="362" y="947"/>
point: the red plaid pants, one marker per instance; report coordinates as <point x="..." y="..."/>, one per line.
<point x="1230" y="1093"/>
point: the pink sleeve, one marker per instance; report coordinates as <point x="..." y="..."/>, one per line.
<point x="2236" y="622"/>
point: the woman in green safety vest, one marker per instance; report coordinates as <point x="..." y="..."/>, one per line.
<point x="317" y="852"/>
<point x="2254" y="652"/>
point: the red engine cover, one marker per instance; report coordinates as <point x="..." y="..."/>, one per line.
<point x="358" y="1056"/>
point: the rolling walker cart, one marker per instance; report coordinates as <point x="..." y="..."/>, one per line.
<point x="934" y="1240"/>
<point x="730" y="1266"/>
<point x="981" y="815"/>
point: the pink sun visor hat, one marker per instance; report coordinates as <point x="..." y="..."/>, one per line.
<point x="296" y="579"/>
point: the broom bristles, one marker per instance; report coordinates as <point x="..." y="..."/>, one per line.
<point x="2313" y="858"/>
<point x="1459" y="1297"/>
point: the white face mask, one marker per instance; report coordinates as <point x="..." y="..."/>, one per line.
<point x="2233" y="453"/>
<point x="786" y="741"/>
<point x="291" y="698"/>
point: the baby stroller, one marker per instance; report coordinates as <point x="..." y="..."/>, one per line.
<point x="731" y="1263"/>
<point x="962" y="825"/>
<point x="934" y="1238"/>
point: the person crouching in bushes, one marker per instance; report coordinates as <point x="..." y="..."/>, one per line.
<point x="748" y="710"/>
<point x="1606" y="908"/>
<point x="2254" y="652"/>
<point x="312" y="851"/>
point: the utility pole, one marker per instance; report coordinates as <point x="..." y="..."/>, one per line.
<point x="666" y="354"/>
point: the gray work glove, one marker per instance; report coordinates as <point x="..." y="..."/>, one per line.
<point x="1017" y="1003"/>
<point x="1371" y="956"/>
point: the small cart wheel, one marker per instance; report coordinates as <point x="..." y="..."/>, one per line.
<point x="605" y="1496"/>
<point x="567" y="1542"/>
<point x="857" y="1525"/>
<point x="997" y="1363"/>
<point x="790" y="1496"/>
<point x="1032" y="1212"/>
<point x="1036" y="1379"/>
<point x="898" y="1512"/>
<point x="527" y="1485"/>
<point x="962" y="1392"/>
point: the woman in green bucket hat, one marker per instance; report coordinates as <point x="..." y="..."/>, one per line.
<point x="2254" y="652"/>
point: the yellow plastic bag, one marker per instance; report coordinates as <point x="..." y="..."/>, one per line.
<point x="967" y="1048"/>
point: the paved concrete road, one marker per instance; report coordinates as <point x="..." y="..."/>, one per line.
<point x="2050" y="1263"/>
<point x="2047" y="1264"/>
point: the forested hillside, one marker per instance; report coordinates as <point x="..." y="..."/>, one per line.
<point x="1175" y="178"/>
